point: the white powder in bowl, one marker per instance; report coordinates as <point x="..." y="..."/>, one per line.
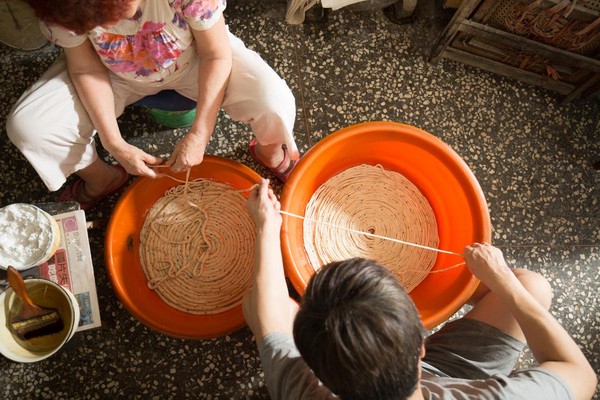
<point x="28" y="236"/>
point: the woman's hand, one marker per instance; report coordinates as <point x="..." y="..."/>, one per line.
<point x="135" y="160"/>
<point x="264" y="207"/>
<point x="188" y="152"/>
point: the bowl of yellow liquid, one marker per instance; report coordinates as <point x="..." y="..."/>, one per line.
<point x="45" y="294"/>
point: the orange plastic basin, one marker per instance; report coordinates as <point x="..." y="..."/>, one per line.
<point x="123" y="260"/>
<point x="439" y="173"/>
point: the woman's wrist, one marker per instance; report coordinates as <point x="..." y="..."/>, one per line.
<point x="203" y="136"/>
<point x="113" y="144"/>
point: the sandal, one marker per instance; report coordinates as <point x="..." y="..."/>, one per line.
<point x="283" y="170"/>
<point x="74" y="188"/>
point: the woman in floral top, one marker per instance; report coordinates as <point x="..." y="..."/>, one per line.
<point x="119" y="51"/>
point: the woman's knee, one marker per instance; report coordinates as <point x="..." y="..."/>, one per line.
<point x="31" y="130"/>
<point x="277" y="100"/>
<point x="537" y="285"/>
<point x="19" y="130"/>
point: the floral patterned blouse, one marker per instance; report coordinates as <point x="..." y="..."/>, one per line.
<point x="151" y="46"/>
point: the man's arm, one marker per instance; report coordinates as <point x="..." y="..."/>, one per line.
<point x="93" y="86"/>
<point x="550" y="344"/>
<point x="214" y="52"/>
<point x="267" y="307"/>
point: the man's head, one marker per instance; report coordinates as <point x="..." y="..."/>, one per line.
<point x="81" y="16"/>
<point x="360" y="332"/>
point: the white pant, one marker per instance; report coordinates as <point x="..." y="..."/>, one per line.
<point x="52" y="129"/>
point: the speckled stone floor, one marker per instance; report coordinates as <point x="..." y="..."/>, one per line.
<point x="532" y="156"/>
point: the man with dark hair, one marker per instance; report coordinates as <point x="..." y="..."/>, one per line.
<point x="359" y="315"/>
<point x="357" y="334"/>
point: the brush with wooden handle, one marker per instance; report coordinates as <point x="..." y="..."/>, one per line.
<point x="33" y="321"/>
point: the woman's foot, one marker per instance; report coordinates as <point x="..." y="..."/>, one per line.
<point x="274" y="157"/>
<point x="110" y="179"/>
<point x="94" y="183"/>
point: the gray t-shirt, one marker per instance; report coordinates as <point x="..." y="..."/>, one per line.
<point x="288" y="378"/>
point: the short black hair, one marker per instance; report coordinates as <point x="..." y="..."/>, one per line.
<point x="360" y="332"/>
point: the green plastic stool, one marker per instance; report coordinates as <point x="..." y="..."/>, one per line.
<point x="173" y="119"/>
<point x="170" y="109"/>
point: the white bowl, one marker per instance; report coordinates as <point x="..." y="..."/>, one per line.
<point x="29" y="236"/>
<point x="46" y="294"/>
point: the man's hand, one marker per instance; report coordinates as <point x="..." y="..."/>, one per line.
<point x="487" y="264"/>
<point x="135" y="160"/>
<point x="264" y="207"/>
<point x="188" y="152"/>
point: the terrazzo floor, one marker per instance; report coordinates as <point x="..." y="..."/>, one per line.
<point x="533" y="157"/>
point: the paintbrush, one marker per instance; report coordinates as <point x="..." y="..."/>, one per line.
<point x="32" y="321"/>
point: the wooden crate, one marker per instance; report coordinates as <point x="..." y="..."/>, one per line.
<point x="550" y="43"/>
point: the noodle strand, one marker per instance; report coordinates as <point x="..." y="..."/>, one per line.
<point x="197" y="247"/>
<point x="385" y="204"/>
